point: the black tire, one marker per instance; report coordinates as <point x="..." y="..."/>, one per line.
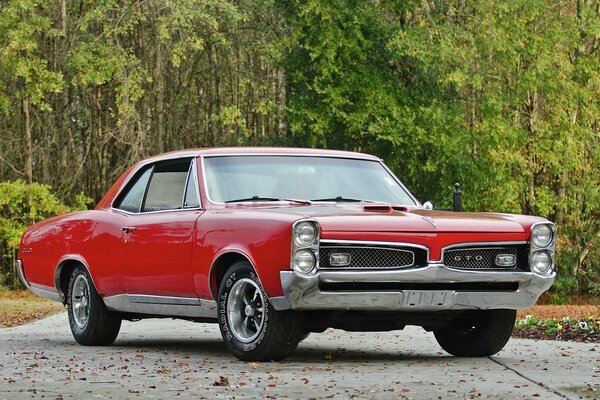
<point x="251" y="328"/>
<point x="304" y="336"/>
<point x="92" y="324"/>
<point x="482" y="334"/>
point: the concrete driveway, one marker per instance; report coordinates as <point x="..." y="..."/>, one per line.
<point x="169" y="358"/>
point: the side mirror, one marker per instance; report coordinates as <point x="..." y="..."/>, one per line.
<point x="428" y="205"/>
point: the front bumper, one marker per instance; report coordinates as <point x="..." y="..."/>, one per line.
<point x="454" y="290"/>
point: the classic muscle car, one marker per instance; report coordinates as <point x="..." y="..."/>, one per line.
<point x="275" y="243"/>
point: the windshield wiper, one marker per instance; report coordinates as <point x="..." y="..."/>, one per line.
<point x="266" y="198"/>
<point x="340" y="199"/>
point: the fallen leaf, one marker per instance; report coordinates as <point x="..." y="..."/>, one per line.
<point x="223" y="381"/>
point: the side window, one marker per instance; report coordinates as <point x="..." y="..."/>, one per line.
<point x="167" y="186"/>
<point x="191" y="189"/>
<point x="131" y="199"/>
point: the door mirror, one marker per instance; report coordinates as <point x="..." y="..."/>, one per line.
<point x="428" y="205"/>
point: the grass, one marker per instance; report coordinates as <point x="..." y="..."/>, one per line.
<point x="20" y="307"/>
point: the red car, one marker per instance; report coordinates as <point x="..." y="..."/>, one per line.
<point x="275" y="243"/>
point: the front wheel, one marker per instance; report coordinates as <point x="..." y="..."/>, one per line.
<point x="92" y="324"/>
<point x="251" y="328"/>
<point x="481" y="334"/>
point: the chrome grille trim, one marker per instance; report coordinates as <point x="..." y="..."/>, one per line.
<point x="477" y="258"/>
<point x="367" y="257"/>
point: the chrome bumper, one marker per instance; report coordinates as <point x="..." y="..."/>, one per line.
<point x="303" y="292"/>
<point x="19" y="265"/>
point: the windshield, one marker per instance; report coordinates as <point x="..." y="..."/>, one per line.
<point x="258" y="178"/>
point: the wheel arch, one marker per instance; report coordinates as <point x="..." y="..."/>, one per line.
<point x="61" y="274"/>
<point x="221" y="264"/>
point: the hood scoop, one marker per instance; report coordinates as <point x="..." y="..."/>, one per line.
<point x="382" y="208"/>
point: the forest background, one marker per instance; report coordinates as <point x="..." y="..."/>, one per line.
<point x="500" y="95"/>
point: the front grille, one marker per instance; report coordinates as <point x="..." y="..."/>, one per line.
<point x="367" y="257"/>
<point x="478" y="258"/>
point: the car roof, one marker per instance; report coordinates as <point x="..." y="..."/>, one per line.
<point x="265" y="151"/>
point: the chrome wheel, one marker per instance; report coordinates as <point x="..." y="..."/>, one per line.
<point x="80" y="301"/>
<point x="246" y="310"/>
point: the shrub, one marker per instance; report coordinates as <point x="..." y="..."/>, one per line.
<point x="21" y="205"/>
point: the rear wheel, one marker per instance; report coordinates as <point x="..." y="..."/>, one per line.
<point x="92" y="324"/>
<point x="252" y="329"/>
<point x="483" y="334"/>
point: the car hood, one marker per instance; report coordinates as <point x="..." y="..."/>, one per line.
<point x="385" y="218"/>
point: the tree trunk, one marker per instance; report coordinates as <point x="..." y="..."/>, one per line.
<point x="28" y="142"/>
<point x="159" y="128"/>
<point x="63" y="14"/>
<point x="533" y="111"/>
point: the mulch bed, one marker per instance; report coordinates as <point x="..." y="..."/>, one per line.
<point x="557" y="312"/>
<point x="570" y="336"/>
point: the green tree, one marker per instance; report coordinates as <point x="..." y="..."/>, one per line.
<point x="524" y="80"/>
<point x="23" y="68"/>
<point x="21" y="205"/>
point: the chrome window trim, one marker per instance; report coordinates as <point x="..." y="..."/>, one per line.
<point x="154" y="212"/>
<point x="350" y="155"/>
<point x="376" y="243"/>
<point x="394" y="177"/>
<point x="196" y="183"/>
<point x="185" y="187"/>
<point x="143" y="165"/>
<point x="194" y="171"/>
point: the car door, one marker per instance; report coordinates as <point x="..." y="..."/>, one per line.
<point x="161" y="209"/>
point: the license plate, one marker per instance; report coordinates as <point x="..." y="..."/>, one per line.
<point x="425" y="299"/>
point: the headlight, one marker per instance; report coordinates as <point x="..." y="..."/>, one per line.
<point x="305" y="246"/>
<point x="541" y="262"/>
<point x="304" y="261"/>
<point x="305" y="233"/>
<point x="541" y="235"/>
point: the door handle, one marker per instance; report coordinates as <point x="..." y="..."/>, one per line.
<point x="128" y="229"/>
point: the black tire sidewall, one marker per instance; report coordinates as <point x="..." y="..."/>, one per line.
<point x="103" y="325"/>
<point x="493" y="330"/>
<point x="242" y="349"/>
<point x="80" y="333"/>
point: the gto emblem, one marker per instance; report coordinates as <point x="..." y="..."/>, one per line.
<point x="506" y="260"/>
<point x="468" y="258"/>
<point x="339" y="259"/>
